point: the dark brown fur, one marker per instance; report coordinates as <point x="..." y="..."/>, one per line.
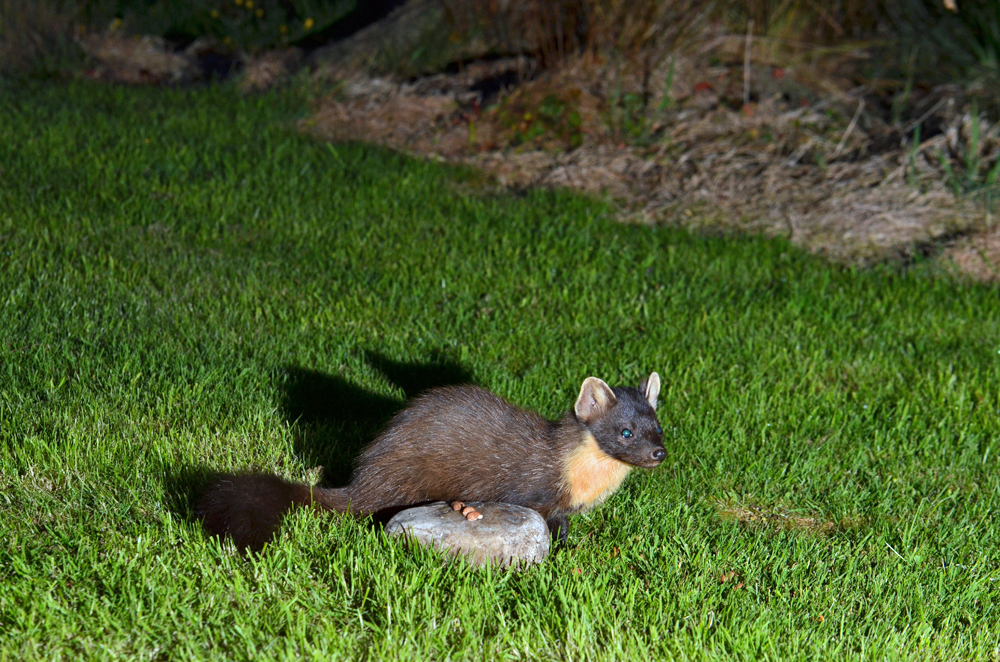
<point x="465" y="443"/>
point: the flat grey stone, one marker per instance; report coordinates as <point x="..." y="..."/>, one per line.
<point x="505" y="535"/>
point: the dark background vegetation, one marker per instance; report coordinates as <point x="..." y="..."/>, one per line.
<point x="923" y="41"/>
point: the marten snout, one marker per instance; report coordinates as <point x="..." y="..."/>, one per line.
<point x="648" y="456"/>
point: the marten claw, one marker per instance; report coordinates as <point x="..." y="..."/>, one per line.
<point x="470" y="513"/>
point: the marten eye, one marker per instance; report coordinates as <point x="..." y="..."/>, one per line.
<point x="626" y="433"/>
<point x="659" y="430"/>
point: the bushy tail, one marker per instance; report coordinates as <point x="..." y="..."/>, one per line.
<point x="248" y="508"/>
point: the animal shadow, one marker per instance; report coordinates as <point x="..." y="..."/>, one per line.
<point x="332" y="421"/>
<point x="183" y="485"/>
<point x="335" y="419"/>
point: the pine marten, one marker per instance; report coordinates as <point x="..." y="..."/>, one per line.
<point x="465" y="443"/>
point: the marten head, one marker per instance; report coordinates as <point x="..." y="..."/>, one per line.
<point x="623" y="420"/>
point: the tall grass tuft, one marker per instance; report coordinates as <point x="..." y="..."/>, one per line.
<point x="555" y="29"/>
<point x="938" y="41"/>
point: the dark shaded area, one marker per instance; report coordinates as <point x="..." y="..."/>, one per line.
<point x="217" y="62"/>
<point x="216" y="65"/>
<point x="183" y="487"/>
<point x="365" y="13"/>
<point x="337" y="419"/>
<point x="414" y="378"/>
<point x="489" y="89"/>
<point x="316" y="398"/>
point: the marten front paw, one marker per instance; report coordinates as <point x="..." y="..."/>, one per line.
<point x="470" y="513"/>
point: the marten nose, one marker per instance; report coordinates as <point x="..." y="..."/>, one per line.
<point x="658" y="454"/>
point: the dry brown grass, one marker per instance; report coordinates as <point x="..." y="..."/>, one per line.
<point x="779" y="518"/>
<point x="146" y="60"/>
<point x="976" y="256"/>
<point x="554" y="31"/>
<point x="269" y="69"/>
<point x="120" y="58"/>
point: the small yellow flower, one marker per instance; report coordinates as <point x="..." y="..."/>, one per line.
<point x="239" y="3"/>
<point x="115" y="24"/>
<point x="214" y="13"/>
<point x="260" y="13"/>
<point x="283" y="29"/>
<point x="249" y="5"/>
<point x="308" y="23"/>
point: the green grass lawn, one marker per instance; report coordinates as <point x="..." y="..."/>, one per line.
<point x="187" y="285"/>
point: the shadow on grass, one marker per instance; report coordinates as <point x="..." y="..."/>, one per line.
<point x="332" y="420"/>
<point x="183" y="485"/>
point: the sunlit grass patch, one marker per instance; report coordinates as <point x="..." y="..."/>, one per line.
<point x="232" y="295"/>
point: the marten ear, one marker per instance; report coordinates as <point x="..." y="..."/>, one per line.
<point x="650" y="389"/>
<point x="594" y="401"/>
